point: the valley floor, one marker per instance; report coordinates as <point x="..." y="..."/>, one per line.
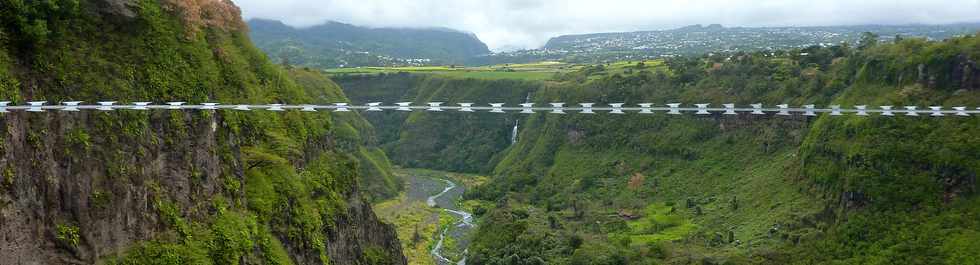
<point x="417" y="223"/>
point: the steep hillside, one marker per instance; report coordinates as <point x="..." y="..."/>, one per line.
<point x="172" y="187"/>
<point x="462" y="142"/>
<point x="335" y="44"/>
<point x="716" y="189"/>
<point x="354" y="135"/>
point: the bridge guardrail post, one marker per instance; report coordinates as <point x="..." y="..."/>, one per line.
<point x="674" y="108"/>
<point x="757" y="109"/>
<point x="71" y="105"/>
<point x="617" y="108"/>
<point x="887" y="111"/>
<point x="558" y="108"/>
<point x="36" y="106"/>
<point x="645" y="108"/>
<point x="586" y="108"/>
<point x="783" y="110"/>
<point x="911" y="111"/>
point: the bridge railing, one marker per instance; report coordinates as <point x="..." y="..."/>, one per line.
<point x="524" y="108"/>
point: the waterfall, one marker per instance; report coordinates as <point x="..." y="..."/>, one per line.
<point x="513" y="134"/>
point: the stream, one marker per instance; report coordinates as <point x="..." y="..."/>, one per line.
<point x="446" y="200"/>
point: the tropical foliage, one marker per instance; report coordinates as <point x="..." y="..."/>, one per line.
<point x="286" y="179"/>
<point x="734" y="190"/>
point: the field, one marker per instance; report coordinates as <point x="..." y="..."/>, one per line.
<point x="625" y="66"/>
<point x="529" y="71"/>
<point x="659" y="223"/>
<point x="532" y="71"/>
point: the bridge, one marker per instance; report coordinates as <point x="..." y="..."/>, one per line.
<point x="523" y="108"/>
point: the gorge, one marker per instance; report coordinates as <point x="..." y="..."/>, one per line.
<point x="397" y="187"/>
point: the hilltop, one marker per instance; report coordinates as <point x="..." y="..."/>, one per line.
<point x="698" y="39"/>
<point x="335" y="44"/>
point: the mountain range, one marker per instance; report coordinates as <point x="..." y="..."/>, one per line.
<point x="698" y="39"/>
<point x="338" y="45"/>
<point x="334" y="44"/>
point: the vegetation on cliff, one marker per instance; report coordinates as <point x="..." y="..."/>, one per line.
<point x="460" y="142"/>
<point x="162" y="187"/>
<point x="736" y="190"/>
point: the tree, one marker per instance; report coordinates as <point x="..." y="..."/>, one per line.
<point x="868" y="40"/>
<point x="31" y="22"/>
<point x="416" y="237"/>
<point x="285" y="62"/>
<point x="636" y="181"/>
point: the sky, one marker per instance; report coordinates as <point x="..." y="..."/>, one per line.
<point x="528" y="24"/>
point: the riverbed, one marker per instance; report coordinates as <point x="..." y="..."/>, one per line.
<point x="459" y="231"/>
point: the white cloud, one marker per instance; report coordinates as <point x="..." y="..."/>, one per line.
<point x="530" y="23"/>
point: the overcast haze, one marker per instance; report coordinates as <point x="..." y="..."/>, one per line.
<point x="510" y="24"/>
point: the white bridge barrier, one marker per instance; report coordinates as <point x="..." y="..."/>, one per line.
<point x="525" y="108"/>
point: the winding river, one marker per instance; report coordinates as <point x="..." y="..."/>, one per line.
<point x="446" y="200"/>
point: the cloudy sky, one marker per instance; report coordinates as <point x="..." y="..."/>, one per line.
<point x="509" y="24"/>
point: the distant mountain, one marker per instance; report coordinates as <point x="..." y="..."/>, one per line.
<point x="335" y="44"/>
<point x="698" y="39"/>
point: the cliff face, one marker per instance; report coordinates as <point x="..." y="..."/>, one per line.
<point x="68" y="201"/>
<point x="161" y="187"/>
<point x="423" y="140"/>
<point x="354" y="135"/>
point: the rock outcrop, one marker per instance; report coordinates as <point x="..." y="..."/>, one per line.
<point x="180" y="187"/>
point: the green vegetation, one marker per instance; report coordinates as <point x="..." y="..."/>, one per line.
<point x="746" y="190"/>
<point x="695" y="40"/>
<point x="334" y="44"/>
<point x="229" y="187"/>
<point x="68" y="235"/>
<point x="421" y="140"/>
<point x="660" y="223"/>
<point x="416" y="224"/>
<point x="354" y="136"/>
<point x="531" y="71"/>
<point x="539" y="71"/>
<point x="419" y="225"/>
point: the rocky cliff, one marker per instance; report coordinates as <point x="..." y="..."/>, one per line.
<point x="168" y="187"/>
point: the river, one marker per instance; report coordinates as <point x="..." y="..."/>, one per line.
<point x="460" y="230"/>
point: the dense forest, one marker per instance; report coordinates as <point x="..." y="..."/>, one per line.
<point x="176" y="187"/>
<point x="635" y="189"/>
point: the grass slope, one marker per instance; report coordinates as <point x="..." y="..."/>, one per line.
<point x="842" y="190"/>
